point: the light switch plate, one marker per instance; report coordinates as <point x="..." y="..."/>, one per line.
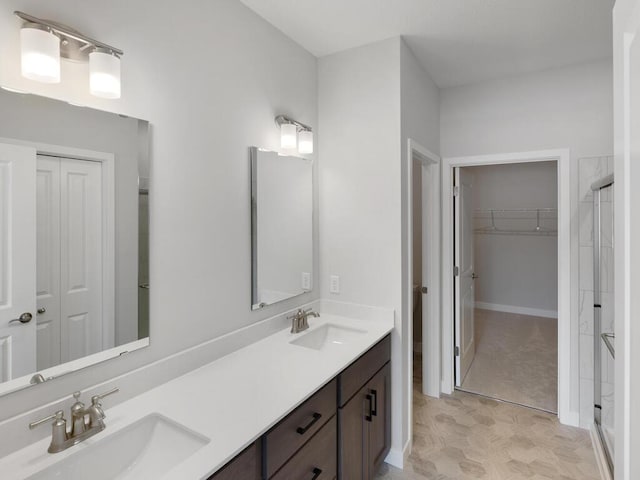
<point x="334" y="284"/>
<point x="306" y="281"/>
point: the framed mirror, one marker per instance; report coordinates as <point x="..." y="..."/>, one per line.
<point x="74" y="237"/>
<point x="281" y="227"/>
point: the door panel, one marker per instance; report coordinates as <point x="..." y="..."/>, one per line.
<point x="48" y="261"/>
<point x="80" y="258"/>
<point x="380" y="426"/>
<point x="17" y="263"/>
<point x="352" y="438"/>
<point x="465" y="294"/>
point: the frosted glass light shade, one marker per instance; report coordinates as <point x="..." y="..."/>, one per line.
<point x="40" y="55"/>
<point x="104" y="74"/>
<point x="288" y="135"/>
<point x="305" y="142"/>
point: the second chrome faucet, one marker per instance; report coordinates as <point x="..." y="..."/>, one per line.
<point x="85" y="422"/>
<point x="299" y="320"/>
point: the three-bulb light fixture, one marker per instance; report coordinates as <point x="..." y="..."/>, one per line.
<point x="43" y="43"/>
<point x="294" y="134"/>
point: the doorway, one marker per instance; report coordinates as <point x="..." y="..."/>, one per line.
<point x="567" y="357"/>
<point x="505" y="288"/>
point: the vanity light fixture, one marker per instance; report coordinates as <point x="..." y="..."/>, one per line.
<point x="44" y="42"/>
<point x="294" y="133"/>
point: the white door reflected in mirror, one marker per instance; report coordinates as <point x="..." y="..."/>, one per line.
<point x="17" y="262"/>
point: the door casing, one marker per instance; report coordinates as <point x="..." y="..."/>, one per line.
<point x="568" y="365"/>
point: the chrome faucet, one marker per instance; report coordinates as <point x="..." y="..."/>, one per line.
<point x="81" y="428"/>
<point x="299" y="321"/>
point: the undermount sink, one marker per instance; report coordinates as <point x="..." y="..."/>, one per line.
<point x="147" y="448"/>
<point x="326" y="336"/>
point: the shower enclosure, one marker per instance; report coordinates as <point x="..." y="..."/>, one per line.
<point x="603" y="325"/>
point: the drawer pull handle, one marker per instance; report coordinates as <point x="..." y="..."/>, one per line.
<point x="374" y="412"/>
<point x="368" y="416"/>
<point x="316" y="473"/>
<point x="303" y="430"/>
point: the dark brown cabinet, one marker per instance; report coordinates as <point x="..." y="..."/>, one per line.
<point x="245" y="466"/>
<point x="364" y="419"/>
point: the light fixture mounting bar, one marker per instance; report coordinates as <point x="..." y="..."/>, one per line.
<point x="283" y="119"/>
<point x="65" y="31"/>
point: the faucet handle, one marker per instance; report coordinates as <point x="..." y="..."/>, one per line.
<point x="95" y="400"/>
<point x="56" y="417"/>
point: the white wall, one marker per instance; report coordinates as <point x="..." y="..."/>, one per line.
<point x="420" y="122"/>
<point x="210" y="77"/>
<point x="518" y="271"/>
<point x="359" y="169"/>
<point x="566" y="107"/>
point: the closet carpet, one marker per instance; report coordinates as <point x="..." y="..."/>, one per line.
<point x="516" y="359"/>
<point x="469" y="437"/>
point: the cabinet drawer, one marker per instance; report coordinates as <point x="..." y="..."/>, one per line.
<point x="245" y="466"/>
<point x="298" y="427"/>
<point x="316" y="460"/>
<point x="359" y="372"/>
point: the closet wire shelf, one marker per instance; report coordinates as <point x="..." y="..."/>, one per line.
<point x="516" y="221"/>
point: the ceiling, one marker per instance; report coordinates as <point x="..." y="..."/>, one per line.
<point x="457" y="41"/>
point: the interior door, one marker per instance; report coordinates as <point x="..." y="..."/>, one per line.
<point x="464" y="289"/>
<point x="80" y="258"/>
<point x="48" y="261"/>
<point x="17" y="261"/>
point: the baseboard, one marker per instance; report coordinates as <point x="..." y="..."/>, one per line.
<point x="570" y="418"/>
<point x="398" y="458"/>
<point x="535" y="312"/>
<point x="598" y="449"/>
<point x="417" y="347"/>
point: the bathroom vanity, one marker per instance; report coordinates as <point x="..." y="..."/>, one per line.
<point x="350" y="416"/>
<point x="310" y="405"/>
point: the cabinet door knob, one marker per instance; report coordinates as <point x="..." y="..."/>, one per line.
<point x="303" y="430"/>
<point x="368" y="416"/>
<point x="374" y="412"/>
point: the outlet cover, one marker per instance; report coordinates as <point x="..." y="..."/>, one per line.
<point x="334" y="284"/>
<point x="306" y="281"/>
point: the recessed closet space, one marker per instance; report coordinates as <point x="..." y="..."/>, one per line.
<point x="507" y="282"/>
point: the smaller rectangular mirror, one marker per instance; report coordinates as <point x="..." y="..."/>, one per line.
<point x="281" y="227"/>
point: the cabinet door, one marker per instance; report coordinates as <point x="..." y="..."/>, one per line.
<point x="379" y="388"/>
<point x="352" y="438"/>
<point x="246" y="466"/>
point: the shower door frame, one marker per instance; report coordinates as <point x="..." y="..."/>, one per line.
<point x="597" y="188"/>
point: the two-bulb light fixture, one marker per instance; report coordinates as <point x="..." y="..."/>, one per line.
<point x="44" y="42"/>
<point x="294" y="134"/>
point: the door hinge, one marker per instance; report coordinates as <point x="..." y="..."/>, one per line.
<point x="456" y="271"/>
<point x="457" y="351"/>
<point x="456" y="191"/>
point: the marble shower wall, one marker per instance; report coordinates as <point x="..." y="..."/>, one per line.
<point x="591" y="169"/>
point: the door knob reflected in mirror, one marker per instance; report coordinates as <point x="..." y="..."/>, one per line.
<point x="24" y="318"/>
<point x="474" y="276"/>
<point x="42" y="310"/>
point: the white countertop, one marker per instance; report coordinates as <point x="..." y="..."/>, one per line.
<point x="232" y="401"/>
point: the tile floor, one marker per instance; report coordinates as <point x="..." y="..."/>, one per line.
<point x="469" y="437"/>
<point x="516" y="359"/>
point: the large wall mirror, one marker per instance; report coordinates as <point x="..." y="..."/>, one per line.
<point x="74" y="237"/>
<point x="281" y="226"/>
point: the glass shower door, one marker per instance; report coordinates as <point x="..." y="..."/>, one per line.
<point x="603" y="318"/>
